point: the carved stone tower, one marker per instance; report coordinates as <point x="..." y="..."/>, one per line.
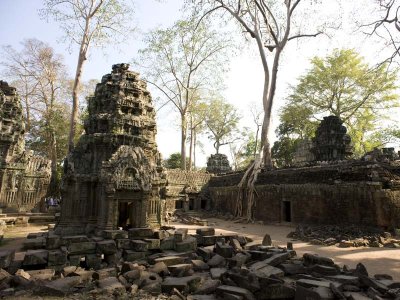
<point x="24" y="178"/>
<point x="331" y="141"/>
<point x="114" y="178"/>
<point x="218" y="164"/>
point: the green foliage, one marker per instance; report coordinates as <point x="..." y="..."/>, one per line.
<point x="222" y="120"/>
<point x="174" y="161"/>
<point x="283" y="151"/>
<point x="341" y="84"/>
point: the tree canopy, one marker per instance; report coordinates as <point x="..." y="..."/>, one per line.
<point x="341" y="84"/>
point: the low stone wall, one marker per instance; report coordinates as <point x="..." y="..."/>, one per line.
<point x="353" y="193"/>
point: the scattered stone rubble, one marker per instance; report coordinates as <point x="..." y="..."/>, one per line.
<point x="172" y="264"/>
<point x="344" y="236"/>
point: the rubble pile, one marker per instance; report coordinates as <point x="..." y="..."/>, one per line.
<point x="344" y="236"/>
<point x="188" y="218"/>
<point x="172" y="264"/>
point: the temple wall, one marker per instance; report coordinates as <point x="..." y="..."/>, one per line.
<point x="367" y="201"/>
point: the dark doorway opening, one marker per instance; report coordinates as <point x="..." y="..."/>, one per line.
<point x="178" y="204"/>
<point x="287" y="211"/>
<point x="203" y="204"/>
<point x="124" y="209"/>
<point x="191" y="204"/>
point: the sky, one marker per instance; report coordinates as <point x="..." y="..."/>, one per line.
<point x="244" y="81"/>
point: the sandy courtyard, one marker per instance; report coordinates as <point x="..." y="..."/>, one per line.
<point x="377" y="260"/>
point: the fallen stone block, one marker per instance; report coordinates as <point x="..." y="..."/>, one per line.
<point x="34" y="243"/>
<point x="147" y="278"/>
<point x="204" y="253"/>
<point x="199" y="265"/>
<point x="208" y="240"/>
<point x="208" y="286"/>
<point x="201" y="297"/>
<point x="316" y="293"/>
<point x="104" y="273"/>
<point x="82" y="248"/>
<point x="106" y="247"/>
<point x="160" y="234"/>
<point x="323" y="270"/>
<point x="187" y="284"/>
<point x="53" y="242"/>
<point x="111" y="284"/>
<point x="93" y="261"/>
<point x="75" y="260"/>
<point x="160" y="268"/>
<point x="170" y="260"/>
<point x="246" y="294"/>
<point x="43" y="274"/>
<point x="180" y="234"/>
<point x="239" y="260"/>
<point x="139" y="245"/>
<point x="267" y="241"/>
<point x="130" y="255"/>
<point x="132" y="275"/>
<point x="216" y="261"/>
<point x="259" y="255"/>
<point x="152" y="244"/>
<point x="188" y="245"/>
<point x="309" y="283"/>
<point x="373" y="283"/>
<point x="124" y="244"/>
<point x="216" y="273"/>
<point x="345" y="279"/>
<point x="22" y="274"/>
<point x="181" y="270"/>
<point x="168" y="243"/>
<point x="205" y="231"/>
<point x="140" y="233"/>
<point x="224" y="250"/>
<point x="356" y="296"/>
<point x="276" y="291"/>
<point x="292" y="269"/>
<point x="57" y="288"/>
<point x="35" y="258"/>
<point x="115" y="234"/>
<point x="57" y="257"/>
<point x="311" y="259"/>
<point x="262" y="269"/>
<point x="6" y="256"/>
<point x="67" y="240"/>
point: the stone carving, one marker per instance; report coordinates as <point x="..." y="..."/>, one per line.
<point x="218" y="164"/>
<point x="114" y="178"/>
<point x="24" y="177"/>
<point x="331" y="142"/>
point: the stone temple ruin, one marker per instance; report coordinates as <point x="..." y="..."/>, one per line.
<point x="114" y="178"/>
<point x="24" y="177"/>
<point x="331" y="141"/>
<point x="218" y="164"/>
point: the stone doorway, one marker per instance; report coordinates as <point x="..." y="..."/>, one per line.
<point x="124" y="214"/>
<point x="286" y="211"/>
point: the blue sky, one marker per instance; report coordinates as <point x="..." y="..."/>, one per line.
<point x="20" y="20"/>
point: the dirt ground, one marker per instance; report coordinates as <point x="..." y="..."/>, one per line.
<point x="377" y="260"/>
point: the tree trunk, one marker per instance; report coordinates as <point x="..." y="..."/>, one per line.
<point x="255" y="146"/>
<point x="183" y="141"/>
<point x="194" y="150"/>
<point x="75" y="92"/>
<point x="191" y="148"/>
<point x="75" y="100"/>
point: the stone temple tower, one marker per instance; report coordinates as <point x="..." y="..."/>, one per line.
<point x="114" y="178"/>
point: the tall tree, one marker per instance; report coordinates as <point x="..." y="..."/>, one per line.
<point x="256" y="112"/>
<point x="45" y="73"/>
<point x="222" y="120"/>
<point x="341" y="84"/>
<point x="269" y="23"/>
<point x="87" y="23"/>
<point x="181" y="61"/>
<point x="197" y="118"/>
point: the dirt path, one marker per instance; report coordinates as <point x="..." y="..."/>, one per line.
<point x="377" y="260"/>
